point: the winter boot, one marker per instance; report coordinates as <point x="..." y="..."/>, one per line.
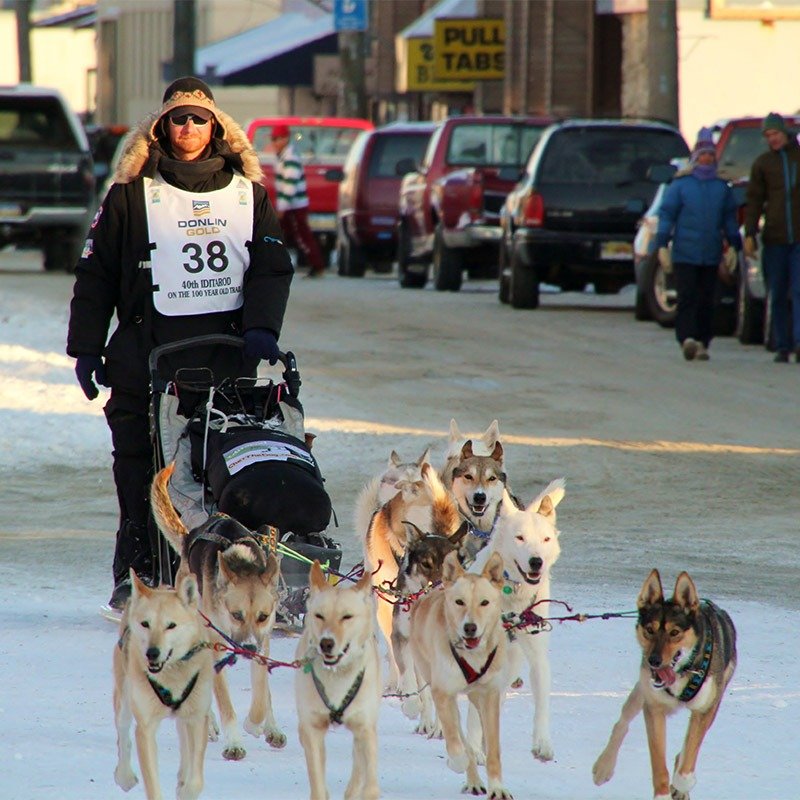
<point x="133" y="550"/>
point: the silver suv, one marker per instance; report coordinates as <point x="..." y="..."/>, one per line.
<point x="47" y="183"/>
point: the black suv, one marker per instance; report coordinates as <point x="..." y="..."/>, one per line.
<point x="571" y="219"/>
<point x="47" y="183"/>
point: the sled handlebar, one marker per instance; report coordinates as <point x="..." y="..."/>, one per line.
<point x="290" y="374"/>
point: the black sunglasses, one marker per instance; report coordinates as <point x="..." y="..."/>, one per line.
<point x="182" y="119"/>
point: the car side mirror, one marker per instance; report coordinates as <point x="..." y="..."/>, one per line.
<point x="334" y="174"/>
<point x="661" y="173"/>
<point x="404" y="166"/>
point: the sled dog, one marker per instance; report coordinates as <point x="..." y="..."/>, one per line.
<point x="528" y="542"/>
<point x="239" y="594"/>
<point x="340" y="682"/>
<point x="459" y="647"/>
<point x="688" y="658"/>
<point x="162" y="668"/>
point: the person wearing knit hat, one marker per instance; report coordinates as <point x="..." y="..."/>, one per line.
<point x="292" y="200"/>
<point x="773" y="193"/>
<point x="698" y="215"/>
<point x="186" y="243"/>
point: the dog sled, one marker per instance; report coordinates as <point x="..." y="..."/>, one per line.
<point x="240" y="448"/>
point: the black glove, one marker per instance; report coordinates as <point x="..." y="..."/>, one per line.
<point x="85" y="368"/>
<point x="261" y="343"/>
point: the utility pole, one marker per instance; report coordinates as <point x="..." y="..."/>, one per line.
<point x="353" y="67"/>
<point x="183" y="38"/>
<point x="662" y="26"/>
<point x="23" y="12"/>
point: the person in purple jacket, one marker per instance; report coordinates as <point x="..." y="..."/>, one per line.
<point x="697" y="215"/>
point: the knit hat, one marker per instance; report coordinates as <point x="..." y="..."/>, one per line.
<point x="774" y="122"/>
<point x="280" y="131"/>
<point x="704" y="144"/>
<point x="189" y="94"/>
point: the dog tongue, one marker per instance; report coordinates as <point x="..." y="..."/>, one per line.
<point x="665" y="675"/>
<point x="471" y="643"/>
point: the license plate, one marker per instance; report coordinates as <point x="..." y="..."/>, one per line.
<point x="322" y="222"/>
<point x="10" y="210"/>
<point x="616" y="250"/>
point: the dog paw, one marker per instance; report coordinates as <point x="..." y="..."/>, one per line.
<point x="459" y="763"/>
<point x="411" y="707"/>
<point x="473" y="788"/>
<point x="682" y="785"/>
<point x="543" y="750"/>
<point x="234" y="752"/>
<point x="254" y="729"/>
<point x="500" y="793"/>
<point x="602" y="771"/>
<point x="125" y="778"/>
<point x="275" y="738"/>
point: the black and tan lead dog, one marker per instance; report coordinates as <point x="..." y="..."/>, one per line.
<point x="688" y="659"/>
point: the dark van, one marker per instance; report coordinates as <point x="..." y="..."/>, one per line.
<point x="369" y="191"/>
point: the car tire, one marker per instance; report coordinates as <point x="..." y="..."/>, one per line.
<point x="407" y="280"/>
<point x="503" y="268"/>
<point x="353" y="263"/>
<point x="641" y="311"/>
<point x="448" y="265"/>
<point x="62" y="251"/>
<point x="523" y="290"/>
<point x="749" y="314"/>
<point x="659" y="294"/>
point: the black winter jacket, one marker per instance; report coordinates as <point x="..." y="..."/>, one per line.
<point x="113" y="275"/>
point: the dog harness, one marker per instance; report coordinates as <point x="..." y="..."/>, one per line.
<point x="467" y="670"/>
<point x="165" y="695"/>
<point x="336" y="713"/>
<point x="700" y="659"/>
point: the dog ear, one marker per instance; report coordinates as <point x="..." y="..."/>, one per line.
<point x="685" y="593"/>
<point x="459" y="533"/>
<point x="493" y="571"/>
<point x="491" y="435"/>
<point x="424" y="458"/>
<point x="364" y="583"/>
<point x="651" y="593"/>
<point x="272" y="571"/>
<point x="497" y="453"/>
<point x="138" y="587"/>
<point x="451" y="569"/>
<point x="455" y="433"/>
<point x="316" y="577"/>
<point x="224" y="573"/>
<point x="413" y="533"/>
<point x="187" y="590"/>
<point x="466" y="450"/>
<point x="394" y="459"/>
<point x="546" y="501"/>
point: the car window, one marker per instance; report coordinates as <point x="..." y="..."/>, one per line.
<point x="388" y="150"/>
<point x="492" y="145"/>
<point x="36" y="122"/>
<point x="618" y="156"/>
<point x="329" y="145"/>
<point x="741" y="149"/>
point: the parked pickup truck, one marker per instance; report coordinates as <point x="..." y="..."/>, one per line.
<point x="322" y="144"/>
<point x="47" y="182"/>
<point x="450" y="206"/>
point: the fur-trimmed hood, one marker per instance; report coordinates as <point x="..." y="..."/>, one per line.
<point x="140" y="145"/>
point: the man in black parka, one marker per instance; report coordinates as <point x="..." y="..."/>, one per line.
<point x="186" y="243"/>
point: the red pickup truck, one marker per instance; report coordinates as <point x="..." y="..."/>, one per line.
<point x="450" y="206"/>
<point x="322" y="144"/>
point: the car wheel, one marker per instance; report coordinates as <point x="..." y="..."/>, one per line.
<point x="523" y="290"/>
<point x="749" y="314"/>
<point x="62" y="252"/>
<point x="659" y="292"/>
<point x="340" y="257"/>
<point x="503" y="271"/>
<point x="640" y="309"/>
<point x="353" y="263"/>
<point x="408" y="280"/>
<point x="448" y="266"/>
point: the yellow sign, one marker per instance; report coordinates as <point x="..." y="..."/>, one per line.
<point x="419" y="66"/>
<point x="469" y="49"/>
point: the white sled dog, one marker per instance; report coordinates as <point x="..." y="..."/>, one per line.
<point x="162" y="668"/>
<point x="527" y="541"/>
<point x="239" y="594"/>
<point x="460" y="647"/>
<point x="340" y="682"/>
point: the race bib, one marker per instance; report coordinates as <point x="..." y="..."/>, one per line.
<point x="199" y="256"/>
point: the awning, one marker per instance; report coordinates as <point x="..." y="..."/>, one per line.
<point x="422" y="27"/>
<point x="278" y="53"/>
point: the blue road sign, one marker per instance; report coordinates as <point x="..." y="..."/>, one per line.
<point x="350" y="15"/>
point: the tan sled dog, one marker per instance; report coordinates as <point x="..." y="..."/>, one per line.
<point x="688" y="659"/>
<point x="340" y="683"/>
<point x="239" y="594"/>
<point x="459" y="647"/>
<point x="162" y="668"/>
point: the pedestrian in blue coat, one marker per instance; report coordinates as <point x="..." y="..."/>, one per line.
<point x="698" y="214"/>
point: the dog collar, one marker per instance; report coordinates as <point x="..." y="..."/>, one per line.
<point x="484" y="536"/>
<point x="336" y="713"/>
<point x="467" y="670"/>
<point x="165" y="695"/>
<point x="699" y="671"/>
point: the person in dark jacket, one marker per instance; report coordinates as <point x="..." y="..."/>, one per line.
<point x="697" y="211"/>
<point x="186" y="243"/>
<point x="774" y="191"/>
